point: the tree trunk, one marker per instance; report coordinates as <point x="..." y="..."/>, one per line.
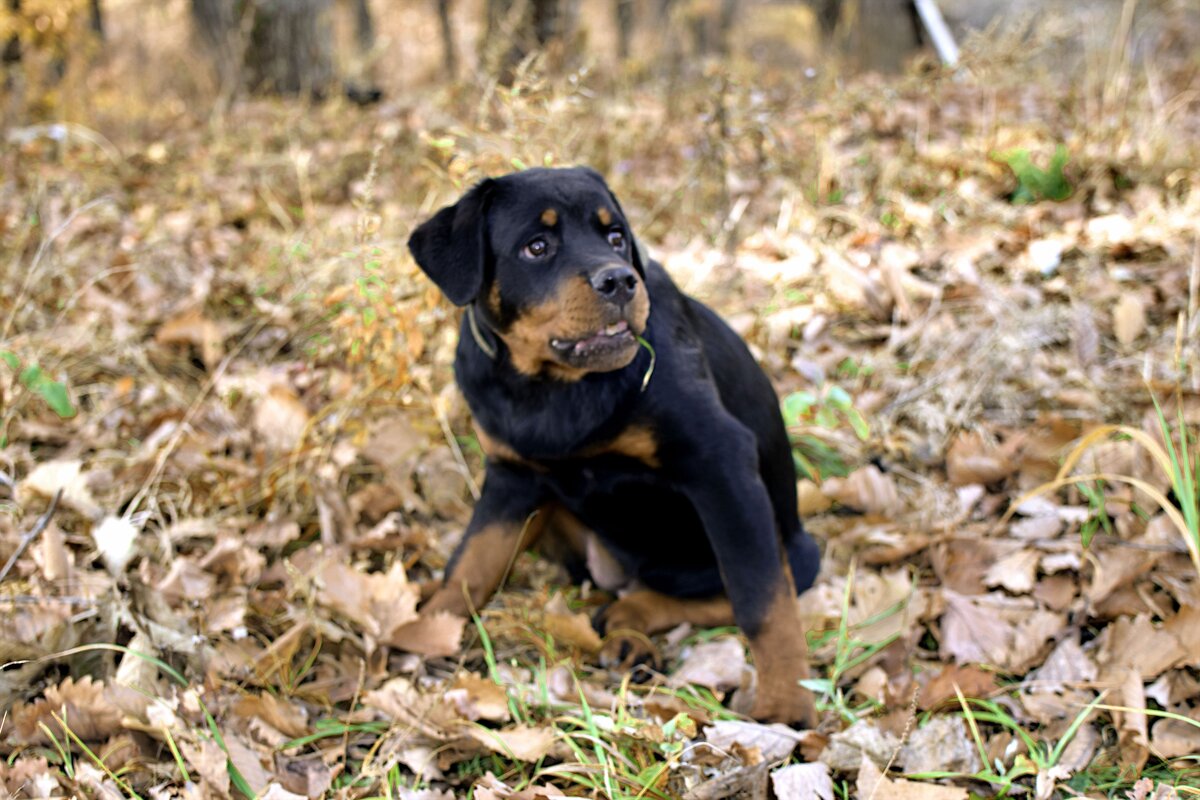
<point x="291" y="47"/>
<point x="278" y="46"/>
<point x="449" y="50"/>
<point x="624" y="11"/>
<point x="517" y="28"/>
<point x="880" y="35"/>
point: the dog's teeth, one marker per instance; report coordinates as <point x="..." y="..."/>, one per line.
<point x="558" y="343"/>
<point x="615" y="328"/>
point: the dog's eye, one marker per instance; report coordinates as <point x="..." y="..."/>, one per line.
<point x="616" y="238"/>
<point x="536" y="248"/>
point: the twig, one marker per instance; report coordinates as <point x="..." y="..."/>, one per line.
<point x="28" y="538"/>
<point x="6" y="481"/>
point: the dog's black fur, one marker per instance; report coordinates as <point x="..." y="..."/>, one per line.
<point x="686" y="478"/>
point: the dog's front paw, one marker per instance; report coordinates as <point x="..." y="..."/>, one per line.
<point x="791" y="705"/>
<point x="627" y="646"/>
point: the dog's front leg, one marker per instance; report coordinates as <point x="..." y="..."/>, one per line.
<point x="506" y="520"/>
<point x="722" y="480"/>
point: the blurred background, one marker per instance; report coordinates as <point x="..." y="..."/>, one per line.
<point x="954" y="255"/>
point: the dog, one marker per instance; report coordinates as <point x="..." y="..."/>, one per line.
<point x="625" y="426"/>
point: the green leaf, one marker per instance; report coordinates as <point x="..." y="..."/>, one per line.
<point x="56" y="396"/>
<point x="796" y="407"/>
<point x="31" y="376"/>
<point x="826" y="418"/>
<point x="862" y="429"/>
<point x="10" y="359"/>
<point x="839" y="398"/>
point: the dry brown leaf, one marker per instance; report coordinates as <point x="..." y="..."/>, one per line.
<point x="866" y="489"/>
<point x="81" y="705"/>
<point x="973" y="459"/>
<point x="191" y="327"/>
<point x="1137" y="644"/>
<point x="803" y="782"/>
<point x="718" y="664"/>
<point x="247" y="761"/>
<point x="863" y="740"/>
<point x="873" y="783"/>
<point x="1132" y="739"/>
<point x="522" y="742"/>
<point x="209" y="761"/>
<point x="186" y="581"/>
<point x="29" y="775"/>
<point x="1173" y="738"/>
<point x="437" y="634"/>
<point x="380" y="603"/>
<point x="1129" y="318"/>
<point x="281" y="419"/>
<point x="775" y="742"/>
<point x="478" y="698"/>
<point x="980" y="629"/>
<point x="970" y="679"/>
<point x="281" y="714"/>
<point x="941" y="745"/>
<point x="573" y="629"/>
<point x="49" y="477"/>
<point x="1016" y="572"/>
<point x="55" y="561"/>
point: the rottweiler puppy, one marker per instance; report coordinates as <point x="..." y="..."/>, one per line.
<point x="625" y="425"/>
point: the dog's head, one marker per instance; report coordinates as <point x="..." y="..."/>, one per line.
<point x="548" y="259"/>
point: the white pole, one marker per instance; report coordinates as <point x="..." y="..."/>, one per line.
<point x="935" y="24"/>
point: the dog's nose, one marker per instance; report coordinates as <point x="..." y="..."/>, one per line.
<point x="615" y="284"/>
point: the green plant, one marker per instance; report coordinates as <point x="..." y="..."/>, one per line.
<point x="35" y="379"/>
<point x="849" y="652"/>
<point x="829" y="407"/>
<point x="1178" y="461"/>
<point x="1033" y="182"/>
<point x="1039" y="759"/>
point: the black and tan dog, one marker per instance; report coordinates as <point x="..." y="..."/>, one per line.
<point x="671" y="462"/>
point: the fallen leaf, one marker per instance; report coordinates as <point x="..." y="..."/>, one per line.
<point x="970" y="679"/>
<point x="191" y="327"/>
<point x="718" y="664"/>
<point x="872" y="783"/>
<point x="437" y="634"/>
<point x="1132" y="739"/>
<point x="864" y="740"/>
<point x="1129" y="318"/>
<point x="973" y="459"/>
<point x="281" y="419"/>
<point x="522" y="742"/>
<point x="776" y="741"/>
<point x="478" y="698"/>
<point x="49" y="477"/>
<point x="803" y="782"/>
<point x="81" y="704"/>
<point x="867" y="489"/>
<point x="943" y="744"/>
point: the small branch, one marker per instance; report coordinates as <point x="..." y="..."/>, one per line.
<point x="28" y="538"/>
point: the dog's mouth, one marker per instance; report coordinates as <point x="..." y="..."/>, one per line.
<point x="608" y="340"/>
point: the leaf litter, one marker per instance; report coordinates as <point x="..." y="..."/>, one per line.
<point x="267" y="465"/>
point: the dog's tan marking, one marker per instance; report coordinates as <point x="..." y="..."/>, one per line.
<point x="636" y="441"/>
<point x="549" y="217"/>
<point x="482" y="565"/>
<point x="780" y="653"/>
<point x="604" y="215"/>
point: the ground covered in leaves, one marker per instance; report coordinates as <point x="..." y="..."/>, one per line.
<point x="232" y="446"/>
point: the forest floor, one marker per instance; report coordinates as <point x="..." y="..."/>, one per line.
<point x="221" y="360"/>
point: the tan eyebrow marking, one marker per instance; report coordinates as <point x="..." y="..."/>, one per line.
<point x="550" y="217"/>
<point x="604" y="215"/>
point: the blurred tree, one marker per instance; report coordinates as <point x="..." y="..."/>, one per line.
<point x="280" y="46"/>
<point x="449" y="50"/>
<point x="517" y="28"/>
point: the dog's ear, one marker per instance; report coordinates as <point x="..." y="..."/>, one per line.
<point x="451" y="247"/>
<point x="639" y="253"/>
